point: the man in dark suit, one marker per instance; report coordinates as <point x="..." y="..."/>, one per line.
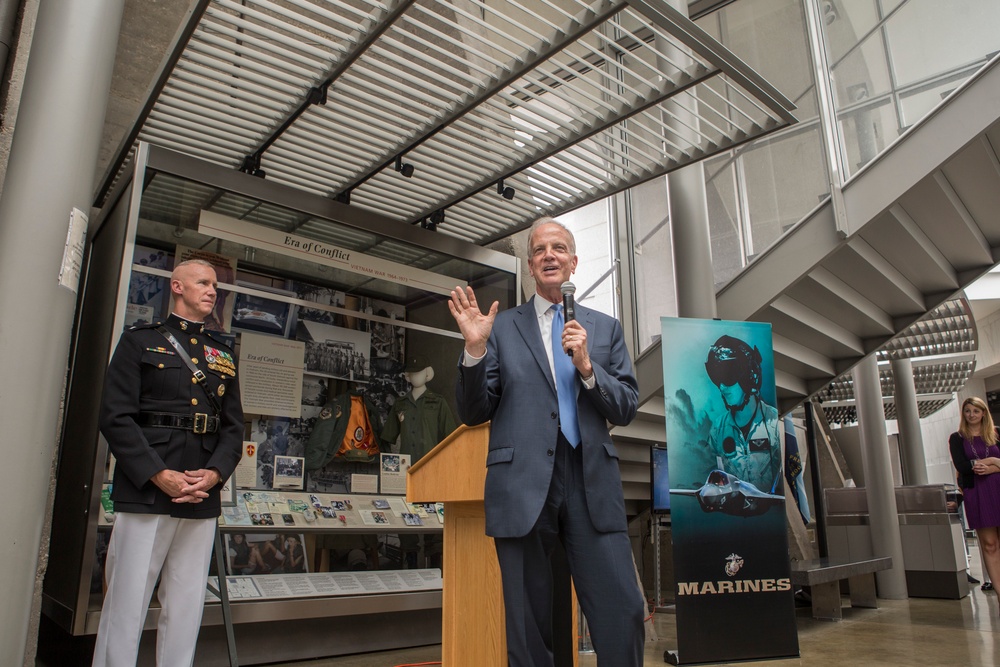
<point x="176" y="434"/>
<point x="552" y="470"/>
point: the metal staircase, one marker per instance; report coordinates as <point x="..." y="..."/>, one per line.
<point x="909" y="231"/>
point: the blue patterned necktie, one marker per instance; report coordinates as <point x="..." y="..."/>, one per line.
<point x="565" y="381"/>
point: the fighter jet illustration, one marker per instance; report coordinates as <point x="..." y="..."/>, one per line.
<point x="727" y="493"/>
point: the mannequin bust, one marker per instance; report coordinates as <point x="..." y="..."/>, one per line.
<point x="421" y="418"/>
<point x="418" y="381"/>
<point x="418" y="421"/>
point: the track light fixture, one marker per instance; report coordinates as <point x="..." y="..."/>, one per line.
<point x="405" y="168"/>
<point x="251" y="165"/>
<point x="505" y="192"/>
<point x="317" y="95"/>
<point x="431" y="223"/>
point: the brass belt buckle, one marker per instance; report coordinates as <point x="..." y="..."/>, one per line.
<point x="200" y="423"/>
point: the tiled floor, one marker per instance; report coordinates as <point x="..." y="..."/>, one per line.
<point x="904" y="633"/>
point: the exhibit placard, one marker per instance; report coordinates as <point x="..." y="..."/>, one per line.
<point x="72" y="260"/>
<point x="271" y="375"/>
<point x="393" y="473"/>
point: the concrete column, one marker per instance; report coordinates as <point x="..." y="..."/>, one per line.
<point x="911" y="441"/>
<point x="878" y="479"/>
<point x="691" y="237"/>
<point x="51" y="170"/>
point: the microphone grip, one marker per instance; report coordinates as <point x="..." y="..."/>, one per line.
<point x="569" y="313"/>
<point x="569" y="309"/>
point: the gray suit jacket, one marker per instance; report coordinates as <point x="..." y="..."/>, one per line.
<point x="513" y="387"/>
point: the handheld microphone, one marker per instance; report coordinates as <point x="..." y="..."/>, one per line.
<point x="568" y="289"/>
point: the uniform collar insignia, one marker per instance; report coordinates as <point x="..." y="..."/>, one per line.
<point x="179" y="322"/>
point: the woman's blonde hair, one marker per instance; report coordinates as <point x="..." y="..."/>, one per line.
<point x="989" y="432"/>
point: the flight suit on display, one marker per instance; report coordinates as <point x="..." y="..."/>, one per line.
<point x="419" y="424"/>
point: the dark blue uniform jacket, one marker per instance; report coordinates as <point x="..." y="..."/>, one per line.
<point x="147" y="375"/>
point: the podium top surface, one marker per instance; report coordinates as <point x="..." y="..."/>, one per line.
<point x="454" y="471"/>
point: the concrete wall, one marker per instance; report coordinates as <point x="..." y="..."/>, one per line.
<point x="849" y="439"/>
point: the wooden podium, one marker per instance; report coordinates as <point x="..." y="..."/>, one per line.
<point x="472" y="627"/>
<point x="454" y="472"/>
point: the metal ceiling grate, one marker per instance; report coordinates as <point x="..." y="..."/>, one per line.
<point x="555" y="103"/>
<point x="846" y="413"/>
<point x="941" y="345"/>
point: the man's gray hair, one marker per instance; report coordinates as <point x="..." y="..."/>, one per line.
<point x="547" y="220"/>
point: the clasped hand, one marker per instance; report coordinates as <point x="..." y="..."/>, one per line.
<point x="986" y="466"/>
<point x="190" y="486"/>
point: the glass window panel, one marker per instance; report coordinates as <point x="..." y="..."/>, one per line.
<point x="724" y="218"/>
<point x="591" y="229"/>
<point x="861" y="74"/>
<point x="916" y="104"/>
<point x="653" y="262"/>
<point x="929" y="38"/>
<point x="866" y="130"/>
<point x="786" y="177"/>
<point x="770" y="36"/>
<point x="845" y="23"/>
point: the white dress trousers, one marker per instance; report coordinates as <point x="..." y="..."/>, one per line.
<point x="143" y="547"/>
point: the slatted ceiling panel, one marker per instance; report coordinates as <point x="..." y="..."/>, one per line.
<point x="235" y="206"/>
<point x="567" y="101"/>
<point x="846" y="413"/>
<point x="950" y="328"/>
<point x="246" y="67"/>
<point x="173" y="201"/>
<point x="273" y="217"/>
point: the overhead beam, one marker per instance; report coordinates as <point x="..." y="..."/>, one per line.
<point x="934" y="255"/>
<point x="862" y="249"/>
<point x="823" y="326"/>
<point x="847" y="294"/>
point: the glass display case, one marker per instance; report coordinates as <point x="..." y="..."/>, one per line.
<point x="354" y="301"/>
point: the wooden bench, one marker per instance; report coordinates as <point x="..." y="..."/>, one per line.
<point x="823" y="576"/>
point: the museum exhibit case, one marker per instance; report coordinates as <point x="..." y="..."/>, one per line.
<point x="338" y="319"/>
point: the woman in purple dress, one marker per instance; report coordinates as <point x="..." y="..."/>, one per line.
<point x="976" y="455"/>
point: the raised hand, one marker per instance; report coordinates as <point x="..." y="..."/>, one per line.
<point x="474" y="325"/>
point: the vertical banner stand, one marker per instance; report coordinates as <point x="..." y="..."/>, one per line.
<point x="726" y="487"/>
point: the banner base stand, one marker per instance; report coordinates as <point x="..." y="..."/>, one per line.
<point x="670" y="657"/>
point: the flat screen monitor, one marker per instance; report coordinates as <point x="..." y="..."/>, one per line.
<point x="660" y="480"/>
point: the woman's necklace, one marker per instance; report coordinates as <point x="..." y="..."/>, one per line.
<point x="972" y="445"/>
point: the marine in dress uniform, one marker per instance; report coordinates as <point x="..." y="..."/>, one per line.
<point x="176" y="438"/>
